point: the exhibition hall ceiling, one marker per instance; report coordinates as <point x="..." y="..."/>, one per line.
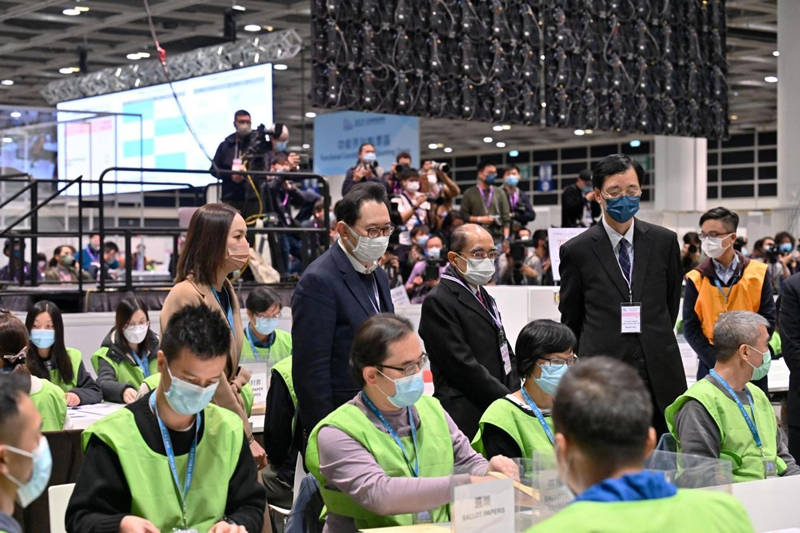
<point x="41" y="39"/>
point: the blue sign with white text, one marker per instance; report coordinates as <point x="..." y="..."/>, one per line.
<point x="337" y="137"/>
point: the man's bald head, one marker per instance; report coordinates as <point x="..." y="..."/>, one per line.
<point x="465" y="236"/>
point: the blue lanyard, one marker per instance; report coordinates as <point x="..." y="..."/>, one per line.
<point x="750" y="422"/>
<point x="249" y="335"/>
<point x="376" y="305"/>
<point x="538" y="413"/>
<point x="395" y="436"/>
<point x="143" y="363"/>
<point x="230" y="306"/>
<point x="725" y="295"/>
<point x="171" y="456"/>
<point x="494" y="313"/>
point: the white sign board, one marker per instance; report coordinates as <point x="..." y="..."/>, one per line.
<point x="555" y="238"/>
<point x="259" y="381"/>
<point x="399" y="296"/>
<point x="486" y="507"/>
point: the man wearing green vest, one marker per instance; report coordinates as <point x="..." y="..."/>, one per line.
<point x="724" y="415"/>
<point x="264" y="341"/>
<point x="279" y="436"/>
<point x="171" y="460"/>
<point x="602" y="415"/>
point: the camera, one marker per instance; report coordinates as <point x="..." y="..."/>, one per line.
<point x="444" y="167"/>
<point x="432" y="269"/>
<point x="772" y="253"/>
<point x="692" y="249"/>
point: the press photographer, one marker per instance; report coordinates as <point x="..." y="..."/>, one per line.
<point x="366" y="168"/>
<point x="526" y="260"/>
<point x="245" y="149"/>
<point x="426" y="273"/>
<point x="436" y="182"/>
<point x="518" y="200"/>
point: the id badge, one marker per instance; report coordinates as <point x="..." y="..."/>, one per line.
<point x="237" y="165"/>
<point x="504" y="353"/>
<point x="631" y="317"/>
<point x="184" y="531"/>
<point x="770" y="469"/>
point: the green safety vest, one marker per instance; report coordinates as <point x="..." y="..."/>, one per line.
<point x="247" y="391"/>
<point x="524" y="428"/>
<point x="284" y="368"/>
<point x="689" y="511"/>
<point x="280" y="349"/>
<point x="52" y="406"/>
<point x="149" y="478"/>
<point x="55" y="376"/>
<point x="126" y="371"/>
<point x="736" y="442"/>
<point x="435" y="452"/>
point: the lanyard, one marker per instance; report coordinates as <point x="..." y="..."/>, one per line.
<point x="487" y="202"/>
<point x="494" y="313"/>
<point x="750" y="422"/>
<point x="143" y="363"/>
<point x="725" y="295"/>
<point x="249" y="335"/>
<point x="92" y="257"/>
<point x="538" y="413"/>
<point x="171" y="456"/>
<point x="230" y="306"/>
<point x="376" y="305"/>
<point x="414" y="210"/>
<point x="513" y="200"/>
<point x="372" y="407"/>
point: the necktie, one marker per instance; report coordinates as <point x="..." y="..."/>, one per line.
<point x="624" y="260"/>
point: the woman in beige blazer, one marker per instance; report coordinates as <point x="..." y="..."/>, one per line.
<point x="215" y="246"/>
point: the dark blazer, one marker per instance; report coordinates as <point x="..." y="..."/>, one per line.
<point x="572" y="202"/>
<point x="592" y="289"/>
<point x="789" y="328"/>
<point x="328" y="305"/>
<point x="461" y="340"/>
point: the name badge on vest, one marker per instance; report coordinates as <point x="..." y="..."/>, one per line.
<point x="770" y="469"/>
<point x="184" y="531"/>
<point x="504" y="352"/>
<point x="631" y="317"/>
<point x="237" y="165"/>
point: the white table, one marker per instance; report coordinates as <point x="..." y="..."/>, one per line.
<point x="83" y="416"/>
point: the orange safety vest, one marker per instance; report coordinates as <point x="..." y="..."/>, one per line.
<point x="744" y="295"/>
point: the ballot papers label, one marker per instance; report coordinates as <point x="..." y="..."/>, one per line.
<point x="259" y="381"/>
<point x="486" y="507"/>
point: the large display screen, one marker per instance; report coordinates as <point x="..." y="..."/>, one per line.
<point x="144" y="128"/>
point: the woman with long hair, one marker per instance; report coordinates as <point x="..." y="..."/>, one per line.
<point x="49" y="358"/>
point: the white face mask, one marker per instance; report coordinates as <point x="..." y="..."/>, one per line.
<point x="479" y="271"/>
<point x="135" y="334"/>
<point x="712" y="246"/>
<point x="412" y="186"/>
<point x="432" y="178"/>
<point x="368" y="250"/>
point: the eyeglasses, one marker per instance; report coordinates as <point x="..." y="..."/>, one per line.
<point x="481" y="254"/>
<point x="412" y="368"/>
<point x="383" y="231"/>
<point x="713" y="234"/>
<point x="615" y="192"/>
<point x="558" y="362"/>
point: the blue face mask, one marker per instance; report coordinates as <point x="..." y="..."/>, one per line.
<point x="407" y="390"/>
<point x="188" y="398"/>
<point x="587" y="188"/>
<point x="42" y="466"/>
<point x="785" y="247"/>
<point x="433" y="253"/>
<point x="369" y="157"/>
<point x="422" y="240"/>
<point x="491" y="178"/>
<point x="512" y="181"/>
<point x="550" y="378"/>
<point x="623" y="208"/>
<point x="281" y="146"/>
<point x="266" y="326"/>
<point x="43" y="338"/>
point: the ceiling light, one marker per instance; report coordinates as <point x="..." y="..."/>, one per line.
<point x="734" y="117"/>
<point x="513" y="153"/>
<point x="447" y="149"/>
<point x="82" y="9"/>
<point x="506" y="127"/>
<point x="589" y="132"/>
<point x="433" y="146"/>
<point x="252" y="27"/>
<point x="143" y="55"/>
<point x="7" y="83"/>
<point x="771" y="79"/>
<point x="310" y="114"/>
<point x="306" y="146"/>
<point x="8" y="140"/>
<point x="579" y="132"/>
<point x="497" y="128"/>
<point x="134" y="56"/>
<point x="776" y="53"/>
<point x="237" y="7"/>
<point x="16" y="114"/>
<point x="635" y="143"/>
<point x="71" y="12"/>
<point x="500" y="144"/>
<point x="68" y="70"/>
<point x="487" y="139"/>
<point x="269" y="28"/>
<point x="280" y="66"/>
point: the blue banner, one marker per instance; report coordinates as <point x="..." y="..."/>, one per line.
<point x="337" y="137"/>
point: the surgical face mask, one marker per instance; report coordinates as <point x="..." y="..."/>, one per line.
<point x="712" y="246"/>
<point x="265" y="325"/>
<point x="369" y="157"/>
<point x="551" y="376"/>
<point x="479" y="271"/>
<point x="407" y="390"/>
<point x="432" y="178"/>
<point x="586" y="189"/>
<point x="434" y="253"/>
<point x="42" y="466"/>
<point x="422" y="240"/>
<point x="281" y="146"/>
<point x="243" y="130"/>
<point x="760" y="371"/>
<point x="490" y="179"/>
<point x="512" y="181"/>
<point x="135" y="334"/>
<point x="368" y="250"/>
<point x="43" y="338"/>
<point x="67" y="260"/>
<point x="237" y="257"/>
<point x="622" y="208"/>
<point x="412" y="186"/>
<point x="785" y="247"/>
<point x="188" y="398"/>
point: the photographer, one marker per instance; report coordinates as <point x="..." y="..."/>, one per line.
<point x="412" y="205"/>
<point x="690" y="255"/>
<point x="366" y="169"/>
<point x="766" y="251"/>
<point x="425" y="274"/>
<point x="244" y="149"/>
<point x="440" y="188"/>
<point x="520" y="203"/>
<point x="391" y="179"/>
<point x="521" y="265"/>
<point x="786" y="250"/>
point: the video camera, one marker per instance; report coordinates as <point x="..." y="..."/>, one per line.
<point x="432" y="267"/>
<point x="260" y="142"/>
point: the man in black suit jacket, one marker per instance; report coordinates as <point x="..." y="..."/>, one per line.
<point x="471" y="361"/>
<point x="336" y="294"/>
<point x="789" y="328"/>
<point x="626" y="262"/>
<point x="579" y="207"/>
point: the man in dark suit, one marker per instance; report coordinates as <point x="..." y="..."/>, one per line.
<point x="789" y="328"/>
<point x="579" y="207"/>
<point x="621" y="286"/>
<point x="337" y="292"/>
<point x="471" y="360"/>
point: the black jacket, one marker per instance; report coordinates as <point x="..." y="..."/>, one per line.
<point x="521" y="208"/>
<point x="592" y="289"/>
<point x="789" y="328"/>
<point x="118" y="351"/>
<point x="223" y="160"/>
<point x="572" y="202"/>
<point x="461" y="340"/>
